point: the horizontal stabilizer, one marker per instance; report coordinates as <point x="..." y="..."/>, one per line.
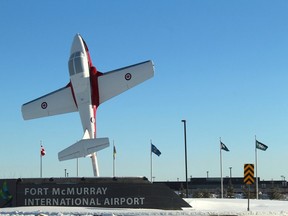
<point x="83" y="148"/>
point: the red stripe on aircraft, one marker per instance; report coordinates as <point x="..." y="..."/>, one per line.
<point x="94" y="74"/>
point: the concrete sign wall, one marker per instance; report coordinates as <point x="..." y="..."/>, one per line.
<point x="92" y="192"/>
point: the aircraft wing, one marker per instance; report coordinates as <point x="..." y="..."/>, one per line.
<point x="57" y="102"/>
<point x="115" y="82"/>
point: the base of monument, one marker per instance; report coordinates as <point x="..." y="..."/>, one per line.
<point x="89" y="192"/>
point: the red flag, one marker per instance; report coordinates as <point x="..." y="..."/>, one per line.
<point x="42" y="151"/>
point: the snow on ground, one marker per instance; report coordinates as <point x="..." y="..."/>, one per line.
<point x="201" y="207"/>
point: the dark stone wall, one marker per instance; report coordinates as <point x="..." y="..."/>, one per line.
<point x="92" y="192"/>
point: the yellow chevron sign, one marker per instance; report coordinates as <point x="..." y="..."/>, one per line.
<point x="248" y="173"/>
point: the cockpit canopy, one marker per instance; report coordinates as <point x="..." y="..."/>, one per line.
<point x="76" y="63"/>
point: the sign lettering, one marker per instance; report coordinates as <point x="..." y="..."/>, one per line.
<point x="76" y="196"/>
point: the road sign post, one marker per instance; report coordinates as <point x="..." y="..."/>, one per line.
<point x="248" y="179"/>
<point x="248" y="208"/>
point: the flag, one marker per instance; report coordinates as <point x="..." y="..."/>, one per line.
<point x="114" y="152"/>
<point x="42" y="151"/>
<point x="155" y="150"/>
<point x="223" y="146"/>
<point x="261" y="146"/>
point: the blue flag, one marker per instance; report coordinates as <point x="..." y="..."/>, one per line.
<point x="155" y="150"/>
<point x="261" y="146"/>
<point x="223" y="147"/>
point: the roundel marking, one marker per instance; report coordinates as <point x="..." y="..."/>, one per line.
<point x="44" y="105"/>
<point x="128" y="76"/>
<point x="92" y="120"/>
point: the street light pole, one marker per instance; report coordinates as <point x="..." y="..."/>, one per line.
<point x="185" y="142"/>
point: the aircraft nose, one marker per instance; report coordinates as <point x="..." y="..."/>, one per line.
<point x="77" y="45"/>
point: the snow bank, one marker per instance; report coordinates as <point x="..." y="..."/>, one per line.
<point x="201" y="207"/>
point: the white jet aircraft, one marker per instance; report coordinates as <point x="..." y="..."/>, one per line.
<point x="87" y="89"/>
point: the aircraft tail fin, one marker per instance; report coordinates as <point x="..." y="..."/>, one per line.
<point x="83" y="148"/>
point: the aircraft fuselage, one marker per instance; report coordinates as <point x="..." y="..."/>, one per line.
<point x="79" y="70"/>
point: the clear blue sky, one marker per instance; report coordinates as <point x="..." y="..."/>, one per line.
<point x="221" y="65"/>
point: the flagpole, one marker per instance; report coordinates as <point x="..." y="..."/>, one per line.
<point x="221" y="167"/>
<point x="150" y="160"/>
<point x="256" y="164"/>
<point x="113" y="159"/>
<point x="40" y="159"/>
<point x="77" y="167"/>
